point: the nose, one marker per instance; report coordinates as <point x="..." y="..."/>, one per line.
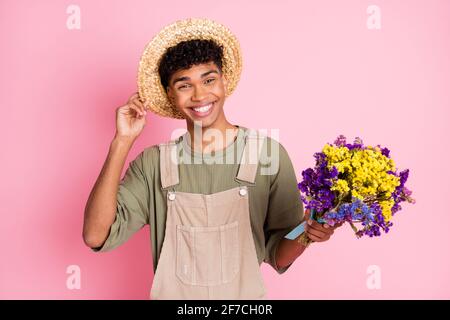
<point x="199" y="93"/>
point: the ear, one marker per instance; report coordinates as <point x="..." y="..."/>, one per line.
<point x="225" y="82"/>
<point x="170" y="94"/>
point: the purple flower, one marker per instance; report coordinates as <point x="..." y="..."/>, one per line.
<point x="401" y="193"/>
<point x="357" y="144"/>
<point x="316" y="184"/>
<point x="340" y="141"/>
<point x="316" y="195"/>
<point x="385" y="152"/>
<point x="356" y="211"/>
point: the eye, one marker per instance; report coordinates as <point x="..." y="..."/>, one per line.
<point x="183" y="86"/>
<point x="210" y="80"/>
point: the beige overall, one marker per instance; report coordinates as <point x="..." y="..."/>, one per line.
<point x="208" y="250"/>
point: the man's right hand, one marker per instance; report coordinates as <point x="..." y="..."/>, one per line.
<point x="130" y="118"/>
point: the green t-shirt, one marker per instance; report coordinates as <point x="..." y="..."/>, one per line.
<point x="274" y="199"/>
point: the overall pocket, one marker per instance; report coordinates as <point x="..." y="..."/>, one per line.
<point x="207" y="256"/>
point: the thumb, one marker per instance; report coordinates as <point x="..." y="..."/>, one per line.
<point x="307" y="214"/>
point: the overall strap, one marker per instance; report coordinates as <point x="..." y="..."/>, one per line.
<point x="248" y="166"/>
<point x="168" y="163"/>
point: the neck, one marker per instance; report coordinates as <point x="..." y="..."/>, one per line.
<point x="215" y="137"/>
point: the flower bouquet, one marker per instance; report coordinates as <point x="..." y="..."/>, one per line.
<point x="356" y="184"/>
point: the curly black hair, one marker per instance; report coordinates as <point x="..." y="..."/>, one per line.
<point x="186" y="54"/>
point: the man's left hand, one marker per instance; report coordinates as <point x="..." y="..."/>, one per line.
<point x="318" y="232"/>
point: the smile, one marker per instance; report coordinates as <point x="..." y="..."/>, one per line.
<point x="203" y="111"/>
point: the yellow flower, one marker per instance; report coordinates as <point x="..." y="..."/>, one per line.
<point x="338" y="157"/>
<point x="366" y="171"/>
<point x="386" y="207"/>
<point x="340" y="186"/>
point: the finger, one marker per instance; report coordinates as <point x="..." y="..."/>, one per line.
<point x="319" y="227"/>
<point x="137" y="112"/>
<point x="141" y="101"/>
<point x="313" y="223"/>
<point x="321" y="237"/>
<point x="139" y="104"/>
<point x="307" y="214"/>
<point x="315" y="232"/>
<point x="134" y="111"/>
<point x="337" y="225"/>
<point x="144" y="107"/>
<point x="328" y="228"/>
<point x="322" y="229"/>
<point x="315" y="238"/>
<point x="136" y="94"/>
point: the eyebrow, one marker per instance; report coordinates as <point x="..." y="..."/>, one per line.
<point x="187" y="78"/>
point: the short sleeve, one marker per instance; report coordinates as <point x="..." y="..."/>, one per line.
<point x="285" y="209"/>
<point x="132" y="205"/>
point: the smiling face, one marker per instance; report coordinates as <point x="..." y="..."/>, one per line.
<point x="199" y="94"/>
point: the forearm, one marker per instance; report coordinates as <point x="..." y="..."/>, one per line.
<point x="288" y="251"/>
<point x="101" y="206"/>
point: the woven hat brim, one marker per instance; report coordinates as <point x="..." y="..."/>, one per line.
<point x="150" y="88"/>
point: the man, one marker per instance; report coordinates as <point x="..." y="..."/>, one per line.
<point x="213" y="221"/>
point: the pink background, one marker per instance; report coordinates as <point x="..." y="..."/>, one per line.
<point x="311" y="69"/>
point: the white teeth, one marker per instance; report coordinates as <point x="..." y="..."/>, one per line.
<point x="203" y="109"/>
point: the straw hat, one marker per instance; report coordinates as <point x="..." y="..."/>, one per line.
<point x="150" y="88"/>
